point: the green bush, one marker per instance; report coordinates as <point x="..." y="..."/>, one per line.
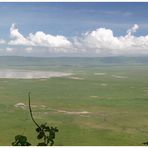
<point x="44" y="132"/>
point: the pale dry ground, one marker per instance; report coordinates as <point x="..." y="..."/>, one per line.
<point x="119" y="77"/>
<point x="75" y="78"/>
<point x="100" y="74"/>
<point x="30" y="74"/>
<point x="45" y="108"/>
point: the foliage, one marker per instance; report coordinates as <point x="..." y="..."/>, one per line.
<point x="45" y="133"/>
<point x="20" y="141"/>
<point x="145" y="143"/>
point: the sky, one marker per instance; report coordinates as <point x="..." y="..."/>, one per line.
<point x="74" y="29"/>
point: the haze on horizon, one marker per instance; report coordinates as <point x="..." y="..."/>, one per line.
<point x="74" y="29"/>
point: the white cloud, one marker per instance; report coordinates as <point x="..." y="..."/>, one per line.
<point x="17" y="38"/>
<point x="101" y="42"/>
<point x="8" y="49"/>
<point x="133" y="29"/>
<point x="2" y="41"/>
<point x="100" y="39"/>
<point x="38" y="39"/>
<point x="28" y="49"/>
<point x="47" y="40"/>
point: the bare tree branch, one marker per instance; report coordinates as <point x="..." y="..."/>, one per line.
<point x="30" y="110"/>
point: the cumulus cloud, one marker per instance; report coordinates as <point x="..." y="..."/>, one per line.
<point x="38" y="39"/>
<point x="2" y="41"/>
<point x="17" y="37"/>
<point x="28" y="49"/>
<point x="47" y="40"/>
<point x="133" y="29"/>
<point x="101" y="42"/>
<point x="97" y="40"/>
<point x="8" y="49"/>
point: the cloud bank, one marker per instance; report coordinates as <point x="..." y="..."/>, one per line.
<point x="102" y="41"/>
<point x="37" y="39"/>
<point x="99" y="42"/>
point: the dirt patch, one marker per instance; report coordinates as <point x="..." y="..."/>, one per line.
<point x="119" y="77"/>
<point x="20" y="105"/>
<point x="103" y="84"/>
<point x="74" y="112"/>
<point x="97" y="97"/>
<point x="100" y="74"/>
<point x="23" y="105"/>
<point x="43" y="106"/>
<point x="76" y="78"/>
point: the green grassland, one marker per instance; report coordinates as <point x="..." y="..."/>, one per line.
<point x="115" y="102"/>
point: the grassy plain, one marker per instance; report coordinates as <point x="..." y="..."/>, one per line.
<point x="99" y="105"/>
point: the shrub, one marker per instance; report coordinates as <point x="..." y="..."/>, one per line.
<point x="44" y="132"/>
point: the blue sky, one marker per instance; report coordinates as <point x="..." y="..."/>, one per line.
<point x="71" y="20"/>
